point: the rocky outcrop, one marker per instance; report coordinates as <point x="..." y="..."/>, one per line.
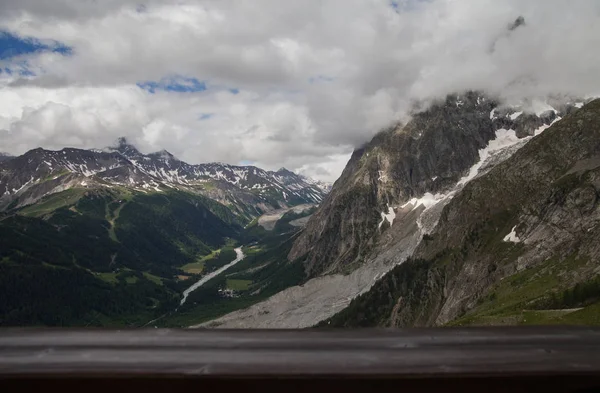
<point x="536" y="212"/>
<point x="384" y="204"/>
<point x="429" y="154"/>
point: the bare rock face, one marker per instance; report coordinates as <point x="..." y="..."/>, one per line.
<point x="547" y="192"/>
<point x="536" y="212"/>
<point x="429" y="154"/>
<point x="386" y="205"/>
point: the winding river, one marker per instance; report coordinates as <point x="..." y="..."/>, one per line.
<point x="239" y="256"/>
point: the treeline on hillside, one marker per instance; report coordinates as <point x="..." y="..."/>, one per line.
<point x="581" y="295"/>
<point x="223" y="257"/>
<point x="170" y="228"/>
<point x="283" y="224"/>
<point x="39" y="295"/>
<point x="71" y="266"/>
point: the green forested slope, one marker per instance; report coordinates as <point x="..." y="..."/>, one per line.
<point x="103" y="256"/>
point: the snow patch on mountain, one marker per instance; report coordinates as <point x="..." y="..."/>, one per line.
<point x="389" y="216"/>
<point x="504" y="139"/>
<point x="512" y="236"/>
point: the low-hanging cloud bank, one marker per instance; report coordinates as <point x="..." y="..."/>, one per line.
<point x="295" y="84"/>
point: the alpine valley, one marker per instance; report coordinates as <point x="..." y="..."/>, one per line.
<point x="113" y="237"/>
<point x="474" y="212"/>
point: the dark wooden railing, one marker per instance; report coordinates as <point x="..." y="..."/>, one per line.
<point x="493" y="359"/>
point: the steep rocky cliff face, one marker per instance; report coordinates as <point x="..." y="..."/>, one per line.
<point x="389" y="198"/>
<point x="429" y="155"/>
<point x="510" y="245"/>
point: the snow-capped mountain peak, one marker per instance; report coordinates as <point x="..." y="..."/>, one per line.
<point x="248" y="190"/>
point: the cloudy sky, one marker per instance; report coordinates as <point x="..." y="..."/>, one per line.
<point x="269" y="82"/>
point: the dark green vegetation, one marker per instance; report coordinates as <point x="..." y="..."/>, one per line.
<point x="105" y="257"/>
<point x="116" y="257"/>
<point x="264" y="272"/>
<point x="582" y="294"/>
<point x="220" y="259"/>
<point x="464" y="273"/>
<point x="35" y="294"/>
<point x="129" y="232"/>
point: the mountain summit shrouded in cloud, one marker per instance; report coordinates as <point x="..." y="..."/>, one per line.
<point x="294" y="84"/>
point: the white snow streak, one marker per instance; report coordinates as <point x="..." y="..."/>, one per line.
<point x="390" y="216"/>
<point x="512" y="236"/>
<point x="504" y="138"/>
<point x="427" y="200"/>
<point x="545" y="127"/>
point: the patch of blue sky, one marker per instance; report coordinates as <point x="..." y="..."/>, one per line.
<point x="407" y="5"/>
<point x="21" y="68"/>
<point x="179" y="84"/>
<point x="13" y="45"/>
<point x="26" y="72"/>
<point x="205" y="116"/>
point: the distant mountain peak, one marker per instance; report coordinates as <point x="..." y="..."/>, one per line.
<point x="123" y="146"/>
<point x="164" y="154"/>
<point x="247" y="190"/>
<point x="284" y="171"/>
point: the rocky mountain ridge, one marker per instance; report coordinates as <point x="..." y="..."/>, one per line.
<point x="248" y="191"/>
<point x="516" y="246"/>
<point x="390" y="197"/>
<point x="426" y="157"/>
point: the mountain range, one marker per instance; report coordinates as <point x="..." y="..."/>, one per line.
<point x="432" y="219"/>
<point x="247" y="190"/>
<point x="114" y="236"/>
<point x="474" y="212"/>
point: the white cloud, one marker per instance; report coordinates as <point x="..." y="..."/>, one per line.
<point x="315" y="77"/>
